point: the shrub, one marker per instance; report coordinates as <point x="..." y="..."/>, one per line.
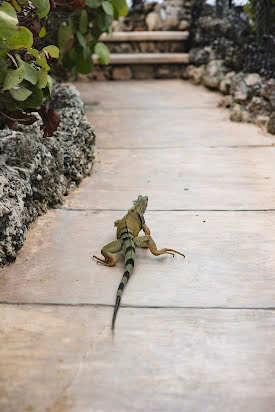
<point x="24" y="78"/>
<point x="26" y="55"/>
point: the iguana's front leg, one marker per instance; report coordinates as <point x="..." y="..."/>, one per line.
<point x="147" y="242"/>
<point x="146" y="229"/>
<point x="107" y="251"/>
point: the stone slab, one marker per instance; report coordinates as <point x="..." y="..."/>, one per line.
<point x="193" y="178"/>
<point x="146" y="58"/>
<point x="57" y="359"/>
<point x="230" y="261"/>
<point x="145" y="36"/>
<point x="177" y="128"/>
<point x="152" y="114"/>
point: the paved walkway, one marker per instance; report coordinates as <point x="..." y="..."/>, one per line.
<point x="193" y="335"/>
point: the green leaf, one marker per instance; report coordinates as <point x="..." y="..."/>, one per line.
<point x="120" y="6"/>
<point x="31" y="73"/>
<point x="52" y="50"/>
<point x="94" y="4"/>
<point x="9" y="10"/>
<point x="42" y="78"/>
<point x="20" y="93"/>
<point x="124" y="10"/>
<point x="43" y="7"/>
<point x="83" y="22"/>
<point x="40" y="58"/>
<point x="8" y="20"/>
<point x="102" y="52"/>
<point x="34" y="100"/>
<point x="50" y="83"/>
<point x="81" y="39"/>
<point x="65" y="34"/>
<point x="103" y="21"/>
<point x="108" y="8"/>
<point x="22" y="38"/>
<point x="42" y="32"/>
<point x="14" y="77"/>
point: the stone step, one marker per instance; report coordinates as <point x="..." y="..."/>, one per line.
<point x="145" y="36"/>
<point x="146" y="58"/>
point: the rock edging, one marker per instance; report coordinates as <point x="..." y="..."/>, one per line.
<point x="36" y="173"/>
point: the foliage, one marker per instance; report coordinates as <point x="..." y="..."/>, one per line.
<point x="24" y="65"/>
<point x="26" y="55"/>
<point x="78" y="35"/>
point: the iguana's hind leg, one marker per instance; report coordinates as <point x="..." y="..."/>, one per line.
<point x="107" y="251"/>
<point x="147" y="242"/>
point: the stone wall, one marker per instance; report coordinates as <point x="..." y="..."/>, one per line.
<point x="167" y="15"/>
<point x="36" y="172"/>
<point x="224" y="56"/>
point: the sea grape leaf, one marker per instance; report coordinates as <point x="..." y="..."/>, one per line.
<point x="103" y="53"/>
<point x="52" y="50"/>
<point x="34" y="100"/>
<point x="65" y="34"/>
<point x="20" y="93"/>
<point x="31" y="73"/>
<point x="42" y="32"/>
<point x="21" y="38"/>
<point x="8" y="20"/>
<point x="42" y="78"/>
<point x="108" y="8"/>
<point x="14" y="77"/>
<point x="43" y="7"/>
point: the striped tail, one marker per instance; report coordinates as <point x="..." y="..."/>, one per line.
<point x="128" y="247"/>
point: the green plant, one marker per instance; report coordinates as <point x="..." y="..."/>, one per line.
<point x="79" y="32"/>
<point x="24" y="65"/>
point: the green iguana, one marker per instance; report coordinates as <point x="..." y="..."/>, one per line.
<point x="128" y="240"/>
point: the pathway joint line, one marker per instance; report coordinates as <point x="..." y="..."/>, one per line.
<point x="107" y="305"/>
<point x="164" y="210"/>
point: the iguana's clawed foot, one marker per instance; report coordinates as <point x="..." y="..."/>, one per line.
<point x="103" y="262"/>
<point x="175" y="251"/>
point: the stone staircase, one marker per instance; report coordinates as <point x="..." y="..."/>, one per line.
<point x="144" y="54"/>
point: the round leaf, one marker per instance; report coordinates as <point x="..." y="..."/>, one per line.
<point x="52" y="50"/>
<point x="65" y="34"/>
<point x="14" y="77"/>
<point x="102" y="52"/>
<point x="42" y="78"/>
<point x="22" y="38"/>
<point x="43" y="7"/>
<point x="20" y="93"/>
<point x="42" y="32"/>
<point x="108" y="8"/>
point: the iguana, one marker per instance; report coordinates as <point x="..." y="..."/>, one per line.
<point x="128" y="240"/>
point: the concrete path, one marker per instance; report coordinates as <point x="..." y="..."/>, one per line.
<point x="192" y="335"/>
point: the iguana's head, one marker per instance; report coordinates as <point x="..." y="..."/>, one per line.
<point x="140" y="204"/>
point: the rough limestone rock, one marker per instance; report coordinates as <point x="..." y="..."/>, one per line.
<point x="122" y="73"/>
<point x="214" y="73"/>
<point x="36" y="173"/>
<point x="271" y="124"/>
<point x="153" y="21"/>
<point x="170" y="23"/>
<point x="194" y="73"/>
<point x="184" y="25"/>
